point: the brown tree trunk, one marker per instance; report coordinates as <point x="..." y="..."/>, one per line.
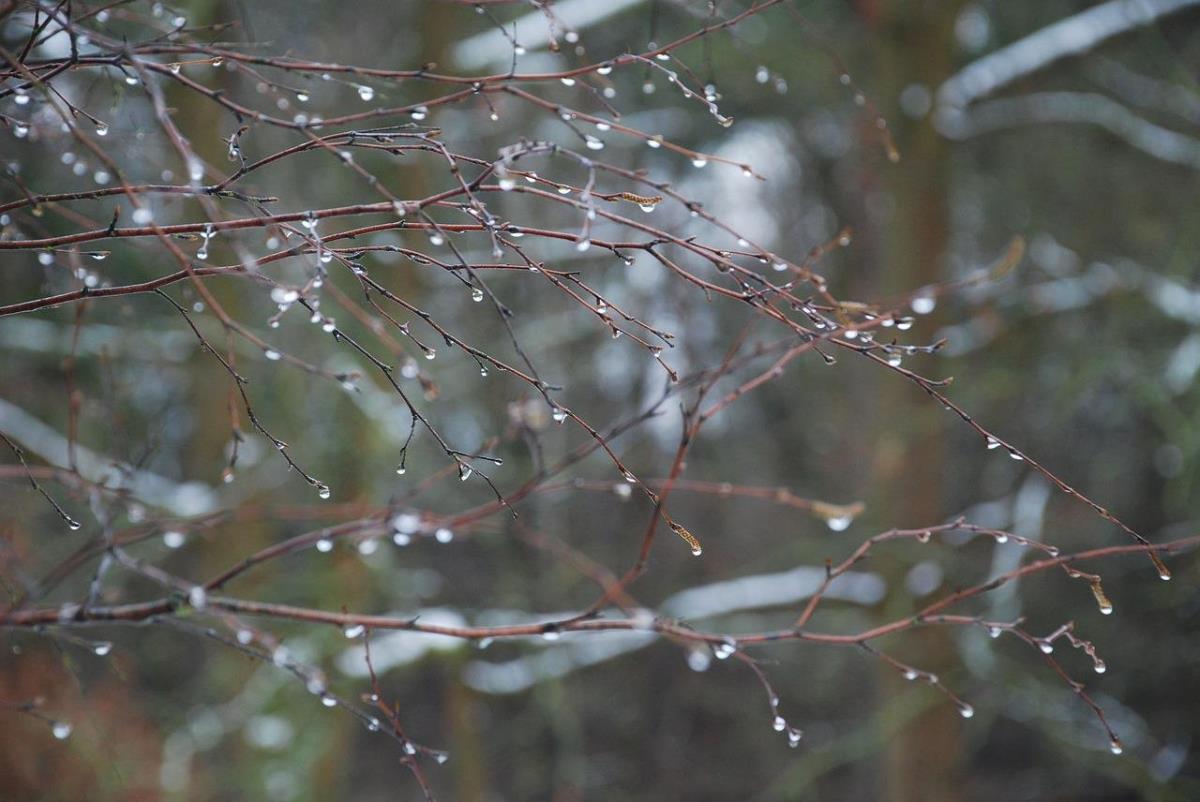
<point x="915" y="45"/>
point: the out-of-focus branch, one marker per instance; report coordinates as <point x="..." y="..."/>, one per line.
<point x="1071" y="36"/>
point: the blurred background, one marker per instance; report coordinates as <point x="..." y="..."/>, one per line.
<point x="1082" y="139"/>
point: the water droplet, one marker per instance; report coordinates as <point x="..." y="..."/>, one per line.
<point x="593" y="143"/>
<point x="142" y="216"/>
<point x="198" y="597"/>
<point x="476" y="294"/>
<point x="924" y="304"/>
<point x="655" y="141"/>
<point x="101" y="648"/>
<point x="353" y="630"/>
<point x="443" y="535"/>
<point x="441" y="757"/>
<point x="911" y="674"/>
<point x="779" y="724"/>
<point x="324" y="545"/>
<point x="406" y="522"/>
<point x="272" y="354"/>
<point x="74" y="525"/>
<point x="583" y="245"/>
<point x="328" y="701"/>
<point x="699" y="161"/>
<point x="62" y="730"/>
<point x="173" y="539"/>
<point x="483" y="643"/>
<point x="1015" y="456"/>
<point x="994" y="632"/>
<point x="965" y="710"/>
<point x="567" y="81"/>
<point x="1164" y="573"/>
<point x="464" y="472"/>
<point x="839" y="523"/>
<point x="244" y="636"/>
<point x="558" y="414"/>
<point x="1115" y="747"/>
<point x="794" y="737"/>
<point x="698" y="660"/>
<point x="101" y="129"/>
<point x="725" y="649"/>
<point x="551" y="635"/>
<point x="762" y="75"/>
<point x="323" y="491"/>
<point x="366" y="93"/>
<point x="1046" y="646"/>
<point x="373" y="725"/>
<point x="368" y="547"/>
<point x="1100" y="666"/>
<point x="697" y="551"/>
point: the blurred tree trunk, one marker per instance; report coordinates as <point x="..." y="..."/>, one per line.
<point x="914" y="44"/>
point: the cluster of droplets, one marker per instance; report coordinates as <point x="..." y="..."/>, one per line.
<point x="780" y="724"/>
<point x="324" y="255"/>
<point x="207" y="234"/>
<point x="724" y="649"/>
<point x="1013" y="454"/>
<point x="913" y="675"/>
<point x="763" y="75"/>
